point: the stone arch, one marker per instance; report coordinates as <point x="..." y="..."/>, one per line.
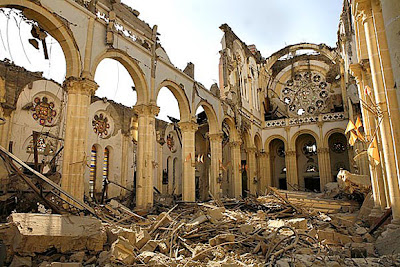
<point x="321" y="48"/>
<point x="55" y="27"/>
<point x="338" y="153"/>
<point x="179" y="93"/>
<point x="247" y="140"/>
<point x="213" y="124"/>
<point x="258" y="142"/>
<point x="131" y="65"/>
<point x="234" y="136"/>
<point x="329" y="133"/>
<point x="304" y="131"/>
<point x="272" y="138"/>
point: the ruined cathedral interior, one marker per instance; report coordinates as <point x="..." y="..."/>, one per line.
<point x="293" y="160"/>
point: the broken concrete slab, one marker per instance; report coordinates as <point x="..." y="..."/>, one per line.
<point x="122" y="251"/>
<point x="36" y="233"/>
<point x="389" y="242"/>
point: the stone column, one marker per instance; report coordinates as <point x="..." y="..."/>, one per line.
<point x="160" y="144"/>
<point x="236" y="166"/>
<point x="265" y="171"/>
<point x="145" y="158"/>
<point x="188" y="130"/>
<point x="391" y="17"/>
<point x="125" y="162"/>
<point x="324" y="166"/>
<point x="252" y="170"/>
<point x="291" y="168"/>
<point x="216" y="160"/>
<point x="385" y="127"/>
<point x="377" y="179"/>
<point x="76" y="130"/>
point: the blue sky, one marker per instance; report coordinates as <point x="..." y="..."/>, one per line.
<point x="189" y="33"/>
<point x="190" y="29"/>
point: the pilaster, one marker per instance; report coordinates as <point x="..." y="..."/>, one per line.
<point x="216" y="161"/>
<point x="236" y="167"/>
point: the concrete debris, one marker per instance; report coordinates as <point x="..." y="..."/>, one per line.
<point x="268" y="230"/>
<point x="350" y="183"/>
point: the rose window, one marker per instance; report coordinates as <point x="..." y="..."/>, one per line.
<point x="43" y="111"/>
<point x="101" y="125"/>
<point x="305" y="93"/>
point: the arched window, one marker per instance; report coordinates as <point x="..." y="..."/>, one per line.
<point x="92" y="178"/>
<point x="106" y="163"/>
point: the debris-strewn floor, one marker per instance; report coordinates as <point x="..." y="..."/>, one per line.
<point x="271" y="230"/>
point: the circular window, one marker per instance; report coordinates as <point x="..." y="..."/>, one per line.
<point x="310" y="148"/>
<point x="280" y="151"/>
<point x="101" y="125"/>
<point x="305" y="93"/>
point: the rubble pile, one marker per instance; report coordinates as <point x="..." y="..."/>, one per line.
<point x="269" y="230"/>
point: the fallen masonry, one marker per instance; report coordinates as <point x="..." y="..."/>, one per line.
<point x="270" y="230"/>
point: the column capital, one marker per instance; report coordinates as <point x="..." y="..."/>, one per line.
<point x="323" y="150"/>
<point x="74" y="85"/>
<point x="188" y="126"/>
<point x="217" y="137"/>
<point x="290" y="153"/>
<point x="236" y="144"/>
<point x="146" y="110"/>
<point x="251" y="150"/>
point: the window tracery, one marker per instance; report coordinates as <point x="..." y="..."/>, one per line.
<point x="306" y="93"/>
<point x="43" y="110"/>
<point x="101" y="125"/>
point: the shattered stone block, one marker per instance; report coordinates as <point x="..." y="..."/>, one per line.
<point x="146" y="256"/>
<point x="142" y="237"/>
<point x="114" y="231"/>
<point x="162" y="247"/>
<point x="298" y="223"/>
<point x="77" y="257"/>
<point x="362" y="250"/>
<point x="151" y="245"/>
<point x="246" y="228"/>
<point x="331" y="237"/>
<point x="162" y="220"/>
<point x="219" y="239"/>
<point x="65" y="264"/>
<point x="122" y="251"/>
<point x="198" y="220"/>
<point x="21" y="261"/>
<point x="36" y="233"/>
<point x="216" y="214"/>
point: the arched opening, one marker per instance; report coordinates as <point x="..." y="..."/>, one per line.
<point x="307" y="162"/>
<point x="202" y="155"/>
<point x="174" y="175"/>
<point x="227" y="183"/>
<point x="93" y="172"/>
<point x="338" y="154"/>
<point x="115" y="82"/>
<point x="38" y="40"/>
<point x="169" y="108"/>
<point x="258" y="177"/>
<point x="278" y="164"/>
<point x="106" y="172"/>
<point x="245" y="164"/>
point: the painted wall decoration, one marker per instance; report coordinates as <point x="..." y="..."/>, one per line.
<point x="43" y="111"/>
<point x="171" y="143"/>
<point x="101" y="125"/>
